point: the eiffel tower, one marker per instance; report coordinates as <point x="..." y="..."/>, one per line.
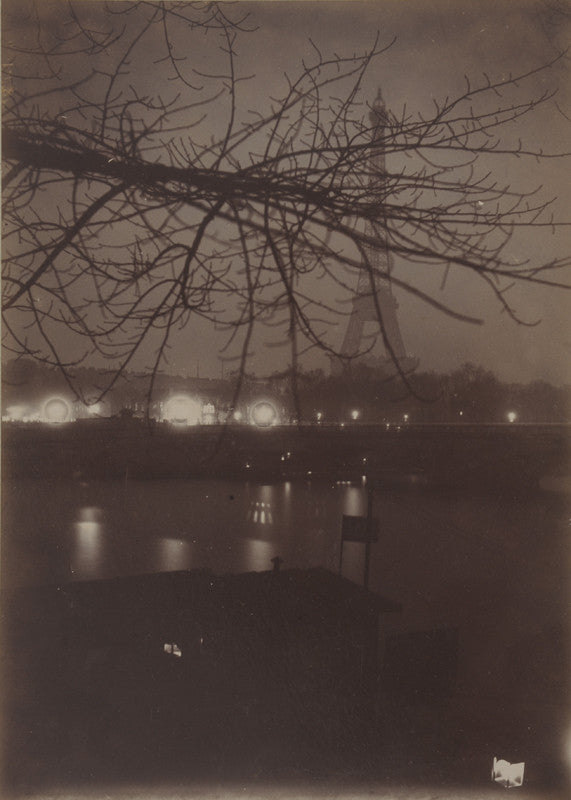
<point x="364" y="310"/>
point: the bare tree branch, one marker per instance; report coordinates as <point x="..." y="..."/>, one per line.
<point x="123" y="220"/>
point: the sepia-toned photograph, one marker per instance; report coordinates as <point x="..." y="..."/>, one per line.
<point x="286" y="399"/>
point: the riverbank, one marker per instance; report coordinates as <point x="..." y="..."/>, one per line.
<point x="470" y="456"/>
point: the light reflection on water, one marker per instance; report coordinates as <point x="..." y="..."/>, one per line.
<point x="88" y="543"/>
<point x="174" y="554"/>
<point x="258" y="555"/>
<point x="299" y="522"/>
<point x="166" y="527"/>
<point x="444" y="544"/>
<point x="260" y="513"/>
<point x="354" y="499"/>
<point x="262" y="505"/>
<point x="495" y="567"/>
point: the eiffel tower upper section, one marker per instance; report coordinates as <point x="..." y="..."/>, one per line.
<point x="373" y="301"/>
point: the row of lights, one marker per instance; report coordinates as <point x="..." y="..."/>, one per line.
<point x="355" y="414"/>
<point x="54" y="410"/>
<point x="181" y="409"/>
<point x="186" y="410"/>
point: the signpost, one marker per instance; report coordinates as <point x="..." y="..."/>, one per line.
<point x="360" y="529"/>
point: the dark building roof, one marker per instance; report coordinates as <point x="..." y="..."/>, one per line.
<point x="302" y="586"/>
<point x="197" y="665"/>
<point x="145" y="605"/>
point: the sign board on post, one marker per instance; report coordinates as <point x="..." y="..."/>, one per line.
<point x="358" y="529"/>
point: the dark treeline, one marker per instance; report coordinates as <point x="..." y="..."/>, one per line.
<point x="469" y="394"/>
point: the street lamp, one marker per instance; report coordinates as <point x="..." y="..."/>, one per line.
<point x="355" y="415"/>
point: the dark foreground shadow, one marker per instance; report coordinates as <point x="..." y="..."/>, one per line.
<point x="185" y="677"/>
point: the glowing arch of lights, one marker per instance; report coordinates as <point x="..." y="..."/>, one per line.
<point x="183" y="410"/>
<point x="56" y="409"/>
<point x="264" y="414"/>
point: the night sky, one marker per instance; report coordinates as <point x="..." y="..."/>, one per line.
<point x="435" y="45"/>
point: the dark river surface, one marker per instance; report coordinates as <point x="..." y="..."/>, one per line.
<point x="495" y="567"/>
<point x="450" y="558"/>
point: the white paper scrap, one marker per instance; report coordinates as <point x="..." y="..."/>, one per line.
<point x="506" y="774"/>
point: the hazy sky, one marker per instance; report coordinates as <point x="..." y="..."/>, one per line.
<point x="436" y="45"/>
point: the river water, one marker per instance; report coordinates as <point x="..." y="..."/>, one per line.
<point x="496" y="568"/>
<point x="441" y="554"/>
